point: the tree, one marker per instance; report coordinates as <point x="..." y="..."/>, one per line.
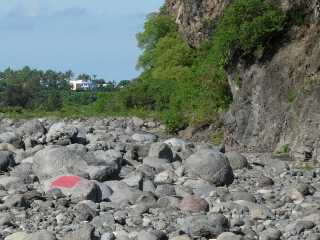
<point x="84" y="76"/>
<point x="123" y="83"/>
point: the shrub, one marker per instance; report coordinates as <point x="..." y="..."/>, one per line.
<point x="246" y="25"/>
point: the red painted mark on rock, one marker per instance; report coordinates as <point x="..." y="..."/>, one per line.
<point x="66" y="181"/>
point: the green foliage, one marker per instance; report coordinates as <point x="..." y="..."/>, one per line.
<point x="292" y="95"/>
<point x="247" y="25"/>
<point x="297" y="15"/>
<point x="285" y="149"/>
<point x="218" y="137"/>
<point x="189" y="86"/>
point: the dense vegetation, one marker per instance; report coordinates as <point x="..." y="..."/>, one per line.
<point x="186" y="85"/>
<point x="180" y="84"/>
<point x="35" y="92"/>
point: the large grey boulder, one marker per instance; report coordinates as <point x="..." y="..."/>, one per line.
<point x="6" y="160"/>
<point x="74" y="186"/>
<point x="176" y="144"/>
<point x="208" y="226"/>
<point x="210" y="165"/>
<point x="33" y="128"/>
<point x="51" y="162"/>
<point x="122" y="192"/>
<point x="11" y="138"/>
<point x="237" y="160"/>
<point x="161" y="150"/>
<point x="61" y="134"/>
<point x="41" y="235"/>
<point x="86" y="232"/>
<point x="157" y="163"/>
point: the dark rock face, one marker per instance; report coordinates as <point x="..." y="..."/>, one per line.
<point x="277" y="102"/>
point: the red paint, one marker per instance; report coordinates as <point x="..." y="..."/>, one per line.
<point x="66" y="181"/>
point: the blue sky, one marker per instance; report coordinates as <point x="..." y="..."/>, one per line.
<point x="90" y="36"/>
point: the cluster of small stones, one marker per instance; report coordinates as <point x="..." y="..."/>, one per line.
<point x="124" y="179"/>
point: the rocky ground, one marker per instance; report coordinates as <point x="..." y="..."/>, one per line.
<point x="123" y="179"/>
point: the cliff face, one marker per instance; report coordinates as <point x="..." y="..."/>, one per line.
<point x="277" y="98"/>
<point x="196" y="18"/>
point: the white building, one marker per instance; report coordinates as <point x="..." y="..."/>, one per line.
<point x="80" y="84"/>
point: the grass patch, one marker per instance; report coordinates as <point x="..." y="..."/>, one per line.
<point x="218" y="137"/>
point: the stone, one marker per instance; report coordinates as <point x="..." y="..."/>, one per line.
<point x="86" y="232"/>
<point x="74" y="186"/>
<point x="8" y="181"/>
<point x="6" y="160"/>
<point x="165" y="177"/>
<point x="237" y="160"/>
<point x="157" y="163"/>
<point x="11" y="138"/>
<point x="257" y="211"/>
<point x="301" y="226"/>
<point x="194" y="204"/>
<point x="17" y="236"/>
<point x="105" y="190"/>
<point x="137" y="122"/>
<point x="176" y="144"/>
<point x="84" y="212"/>
<point x="165" y="190"/>
<point x="41" y="235"/>
<point x="144" y="137"/>
<point x="61" y="134"/>
<point x="52" y="162"/>
<point x="270" y="234"/>
<point x="122" y="192"/>
<point x="134" y="179"/>
<point x="161" y="150"/>
<point x="144" y="235"/>
<point x="6" y="220"/>
<point x="241" y="195"/>
<point x="33" y="128"/>
<point x="108" y="236"/>
<point x="208" y="226"/>
<point x="212" y="166"/>
<point x="181" y="237"/>
<point x="229" y="236"/>
<point x="278" y="166"/>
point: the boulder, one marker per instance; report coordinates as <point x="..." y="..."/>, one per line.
<point x="61" y="134"/>
<point x="161" y="150"/>
<point x="122" y="192"/>
<point x="229" y="236"/>
<point x="41" y="235"/>
<point x="11" y="138"/>
<point x="176" y="144"/>
<point x="144" y="137"/>
<point x="33" y="128"/>
<point x="74" y="186"/>
<point x="257" y="211"/>
<point x="52" y="162"/>
<point x="17" y="236"/>
<point x="208" y="226"/>
<point x="210" y="165"/>
<point x="157" y="163"/>
<point x="237" y="160"/>
<point x="86" y="232"/>
<point x="194" y="204"/>
<point x="6" y="160"/>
